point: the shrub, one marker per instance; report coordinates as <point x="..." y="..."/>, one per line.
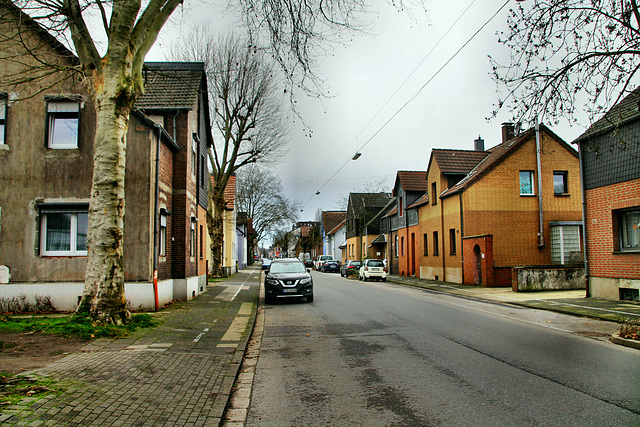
<point x="630" y="329"/>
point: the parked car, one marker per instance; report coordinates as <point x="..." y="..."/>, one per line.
<point x="308" y="263"/>
<point x="351" y="267"/>
<point x="331" y="266"/>
<point x="266" y="262"/>
<point x="288" y="278"/>
<point x="372" y="269"/>
<point x="321" y="259"/>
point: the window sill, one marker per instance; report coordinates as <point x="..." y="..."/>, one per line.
<point x="527" y="195"/>
<point x="627" y="252"/>
<point x="562" y="195"/>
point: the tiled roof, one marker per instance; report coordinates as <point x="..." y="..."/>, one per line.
<point x="627" y="109"/>
<point x="337" y="227"/>
<point x="421" y="201"/>
<point x="370" y="200"/>
<point x="457" y="161"/>
<point x="230" y="193"/>
<point x="412" y="180"/>
<point x="498" y="154"/>
<point x="331" y="219"/>
<point x="171" y="85"/>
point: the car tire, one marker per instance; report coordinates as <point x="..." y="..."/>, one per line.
<point x="364" y="278"/>
<point x="310" y="298"/>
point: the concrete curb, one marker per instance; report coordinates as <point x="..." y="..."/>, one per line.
<point x="616" y="339"/>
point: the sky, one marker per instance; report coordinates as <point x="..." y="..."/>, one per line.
<point x="392" y="96"/>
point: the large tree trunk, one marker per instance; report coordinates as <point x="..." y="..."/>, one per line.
<point x="215" y="224"/>
<point x="103" y="296"/>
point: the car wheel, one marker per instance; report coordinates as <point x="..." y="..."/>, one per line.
<point x="364" y="278"/>
<point x="360" y="277"/>
<point x="310" y="298"/>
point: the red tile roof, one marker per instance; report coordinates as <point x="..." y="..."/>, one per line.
<point x="412" y="180"/>
<point x="457" y="161"/>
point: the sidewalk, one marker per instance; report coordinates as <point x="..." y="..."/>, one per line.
<point x="179" y="373"/>
<point x="568" y="302"/>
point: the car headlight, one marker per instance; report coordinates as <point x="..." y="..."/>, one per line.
<point x="305" y="281"/>
<point x="271" y="281"/>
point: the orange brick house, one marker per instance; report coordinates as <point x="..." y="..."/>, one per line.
<point x="486" y="213"/>
<point x="409" y="188"/>
<point x="610" y="160"/>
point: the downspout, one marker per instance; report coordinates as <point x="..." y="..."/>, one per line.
<point x="461" y="235"/>
<point x="444" y="267"/>
<point x="156" y="219"/>
<point x="539" y="166"/>
<point x="584" y="222"/>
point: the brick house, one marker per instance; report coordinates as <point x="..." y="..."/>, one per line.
<point x="363" y="222"/>
<point x="610" y="160"/>
<point x="486" y="213"/>
<point x="409" y="192"/>
<point x="46" y="152"/>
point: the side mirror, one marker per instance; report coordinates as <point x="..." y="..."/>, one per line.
<point x="309" y="270"/>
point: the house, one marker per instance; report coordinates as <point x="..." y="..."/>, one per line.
<point x="337" y="241"/>
<point x="229" y="219"/>
<point x="610" y="161"/>
<point x="516" y="204"/>
<point x="242" y="232"/>
<point x="329" y="220"/>
<point x="410" y="192"/>
<point x="305" y="239"/>
<point x="46" y="164"/>
<point x="364" y="212"/>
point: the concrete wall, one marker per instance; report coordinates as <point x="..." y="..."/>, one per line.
<point x="547" y="278"/>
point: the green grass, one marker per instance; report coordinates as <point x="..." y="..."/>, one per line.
<point x="78" y="326"/>
<point x="14" y="388"/>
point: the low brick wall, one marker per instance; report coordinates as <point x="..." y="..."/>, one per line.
<point x="547" y="278"/>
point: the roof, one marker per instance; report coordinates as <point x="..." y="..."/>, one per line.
<point x="171" y="85"/>
<point x="411" y="181"/>
<point x="369" y="200"/>
<point x="497" y="154"/>
<point x="331" y="219"/>
<point x="421" y="201"/>
<point x="459" y="162"/>
<point x="625" y="110"/>
<point x="337" y="227"/>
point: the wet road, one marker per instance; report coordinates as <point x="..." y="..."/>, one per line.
<point x="379" y="354"/>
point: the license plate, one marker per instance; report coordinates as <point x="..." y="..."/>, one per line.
<point x="290" y="291"/>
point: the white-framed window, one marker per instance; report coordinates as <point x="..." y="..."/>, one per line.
<point x="63" y="231"/>
<point x="3" y="119"/>
<point x="565" y="243"/>
<point x="397" y="245"/>
<point x="560" y="183"/>
<point x="163" y="235"/>
<point x="63" y="119"/>
<point x="526" y="183"/>
<point x="194" y="154"/>
<point x="192" y="246"/>
<point x="629" y="229"/>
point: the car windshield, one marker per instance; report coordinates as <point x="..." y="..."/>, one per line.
<point x="287" y="267"/>
<point x="375" y="263"/>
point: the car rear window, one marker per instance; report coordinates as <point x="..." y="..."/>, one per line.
<point x="375" y="263"/>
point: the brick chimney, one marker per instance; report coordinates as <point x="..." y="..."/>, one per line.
<point x="478" y="144"/>
<point x="508" y="131"/>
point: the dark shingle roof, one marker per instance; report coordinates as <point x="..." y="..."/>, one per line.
<point x="412" y="180"/>
<point x="331" y="219"/>
<point x="625" y="110"/>
<point x="370" y="200"/>
<point x="171" y="85"/>
<point x="457" y="161"/>
<point x="421" y="201"/>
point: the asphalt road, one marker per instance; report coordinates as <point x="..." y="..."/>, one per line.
<point x="378" y="354"/>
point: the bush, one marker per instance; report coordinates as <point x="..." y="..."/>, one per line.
<point x="630" y="329"/>
<point x="20" y="304"/>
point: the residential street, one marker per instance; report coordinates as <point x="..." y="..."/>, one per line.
<point x="383" y="354"/>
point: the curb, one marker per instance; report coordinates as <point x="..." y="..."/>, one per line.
<point x="616" y="339"/>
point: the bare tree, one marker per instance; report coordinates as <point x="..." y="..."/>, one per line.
<point x="259" y="193"/>
<point x="248" y="116"/>
<point x="566" y="53"/>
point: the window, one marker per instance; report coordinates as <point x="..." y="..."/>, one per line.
<point x="397" y="247"/>
<point x="64" y="231"/>
<point x="201" y="243"/>
<point x="526" y="183"/>
<point x="425" y="238"/>
<point x="192" y="236"/>
<point x="436" y="252"/>
<point x="402" y="246"/>
<point x="400" y="206"/>
<point x="434" y="194"/>
<point x="3" y="119"/>
<point x="629" y="229"/>
<point x="163" y="235"/>
<point x="560" y="183"/>
<point x="452" y="241"/>
<point x="62" y="124"/>
<point x="565" y="243"/>
<point x="194" y="154"/>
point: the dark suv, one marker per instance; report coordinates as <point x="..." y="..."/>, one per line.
<point x="288" y="278"/>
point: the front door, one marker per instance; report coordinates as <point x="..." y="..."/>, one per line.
<point x="477" y="256"/>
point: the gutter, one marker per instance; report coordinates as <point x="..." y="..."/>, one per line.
<point x="584" y="222"/>
<point x="156" y="219"/>
<point x="539" y="166"/>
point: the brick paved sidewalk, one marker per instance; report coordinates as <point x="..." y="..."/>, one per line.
<point x="180" y="373"/>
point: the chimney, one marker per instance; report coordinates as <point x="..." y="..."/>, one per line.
<point x="478" y="144"/>
<point x="508" y="131"/>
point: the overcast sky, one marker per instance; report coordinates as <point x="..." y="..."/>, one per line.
<point x="449" y="112"/>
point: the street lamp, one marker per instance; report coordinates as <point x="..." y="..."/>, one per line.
<point x="356" y="156"/>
